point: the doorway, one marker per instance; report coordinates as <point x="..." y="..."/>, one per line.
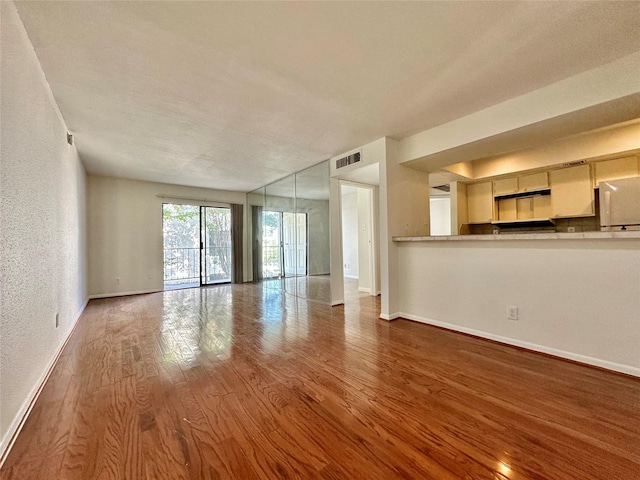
<point x="358" y="241"/>
<point x="197" y="245"/>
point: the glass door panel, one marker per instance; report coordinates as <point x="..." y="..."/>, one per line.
<point x="289" y="243"/>
<point x="181" y="245"/>
<point x="271" y="244"/>
<point x="301" y="244"/>
<point x="216" y="245"/>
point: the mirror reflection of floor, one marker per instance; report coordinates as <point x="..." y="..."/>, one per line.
<point x="312" y="287"/>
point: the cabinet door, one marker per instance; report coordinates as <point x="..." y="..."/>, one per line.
<point x="507" y="210"/>
<point x="525" y="208"/>
<point x="535" y="181"/>
<point x="505" y="186"/>
<point x="616" y="169"/>
<point x="480" y="202"/>
<point x="571" y="192"/>
<point x="542" y="206"/>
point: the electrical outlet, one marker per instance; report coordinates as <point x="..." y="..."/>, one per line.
<point x="571" y="229"/>
<point x="512" y="312"/>
<point x="57" y="320"/>
<point x="117" y="280"/>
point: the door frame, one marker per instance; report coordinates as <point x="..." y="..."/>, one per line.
<point x="373" y="222"/>
<point x="202" y="241"/>
<point x="203" y="244"/>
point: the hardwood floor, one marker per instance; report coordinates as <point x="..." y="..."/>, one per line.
<point x="243" y="382"/>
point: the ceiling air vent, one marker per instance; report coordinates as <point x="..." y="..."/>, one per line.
<point x="573" y="164"/>
<point x="348" y="160"/>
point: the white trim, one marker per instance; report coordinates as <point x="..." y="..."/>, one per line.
<point x="392" y="316"/>
<point x="364" y="290"/>
<point x="354" y="277"/>
<point x="123" y="294"/>
<point x="337" y="302"/>
<point x="617" y="367"/>
<point x="216" y="203"/>
<point x="21" y="416"/>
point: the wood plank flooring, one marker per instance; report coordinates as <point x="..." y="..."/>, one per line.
<point x="244" y="382"/>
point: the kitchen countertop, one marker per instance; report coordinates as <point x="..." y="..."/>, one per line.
<point x="525" y="236"/>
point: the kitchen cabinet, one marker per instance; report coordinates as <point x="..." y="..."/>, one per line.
<point x="535" y="181"/>
<point x="524" y="207"/>
<point x="480" y="202"/>
<point x="616" y="169"/>
<point x="542" y="206"/>
<point x="505" y="186"/>
<point x="571" y="192"/>
<point x="507" y="210"/>
<point x="534" y="207"/>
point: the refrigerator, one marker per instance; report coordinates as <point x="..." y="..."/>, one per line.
<point x="620" y="204"/>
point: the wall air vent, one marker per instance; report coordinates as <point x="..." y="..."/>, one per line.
<point x="573" y="164"/>
<point x="348" y="160"/>
<point x="444" y="188"/>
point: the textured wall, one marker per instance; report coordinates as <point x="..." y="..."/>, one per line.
<point x="42" y="225"/>
<point x="125" y="231"/>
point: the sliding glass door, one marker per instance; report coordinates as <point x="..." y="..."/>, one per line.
<point x="197" y="245"/>
<point x="216" y="245"/>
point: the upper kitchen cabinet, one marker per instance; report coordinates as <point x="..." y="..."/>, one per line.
<point x="525" y="183"/>
<point x="505" y="186"/>
<point x="533" y="182"/>
<point x="480" y="202"/>
<point x="572" y="192"/>
<point x="616" y="169"/>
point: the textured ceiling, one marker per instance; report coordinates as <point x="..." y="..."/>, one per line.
<point x="236" y="95"/>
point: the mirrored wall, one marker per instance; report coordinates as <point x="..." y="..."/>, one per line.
<point x="289" y="233"/>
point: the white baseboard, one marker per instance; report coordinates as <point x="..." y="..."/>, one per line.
<point x="21" y="416"/>
<point x="576" y="357"/>
<point x="364" y="290"/>
<point x="123" y="294"/>
<point x="391" y="316"/>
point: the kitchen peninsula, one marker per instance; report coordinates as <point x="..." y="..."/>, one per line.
<point x="577" y="295"/>
<point x="532" y="250"/>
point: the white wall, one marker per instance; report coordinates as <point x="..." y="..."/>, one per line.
<point x="440" y="215"/>
<point x="364" y="239"/>
<point x="404" y="211"/>
<point x="42" y="226"/>
<point x="579" y="299"/>
<point x="350" y="232"/>
<point x="335" y="235"/>
<point x="125" y="231"/>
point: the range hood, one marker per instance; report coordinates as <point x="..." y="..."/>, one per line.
<point x="525" y="223"/>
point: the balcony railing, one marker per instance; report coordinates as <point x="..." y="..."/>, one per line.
<point x="182" y="265"/>
<point x="271" y="261"/>
<point x="218" y="264"/>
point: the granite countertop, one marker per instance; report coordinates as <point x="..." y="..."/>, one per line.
<point x="525" y="236"/>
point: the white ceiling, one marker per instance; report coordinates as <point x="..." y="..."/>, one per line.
<point x="235" y="95"/>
